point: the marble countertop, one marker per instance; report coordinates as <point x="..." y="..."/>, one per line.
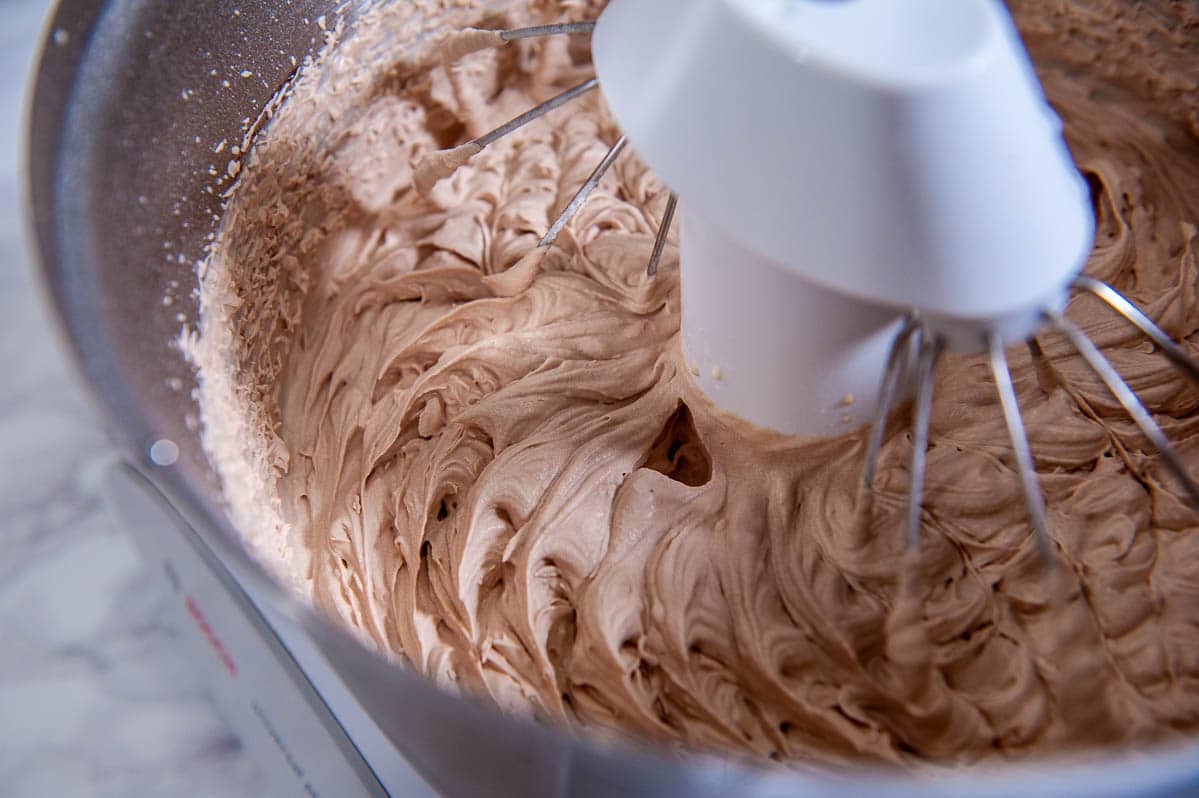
<point x="94" y="700"/>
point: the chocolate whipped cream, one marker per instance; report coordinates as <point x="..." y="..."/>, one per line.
<point x="490" y="461"/>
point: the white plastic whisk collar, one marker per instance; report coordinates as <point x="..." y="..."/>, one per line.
<point x="900" y="153"/>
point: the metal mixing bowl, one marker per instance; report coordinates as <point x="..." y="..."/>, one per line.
<point x="125" y="109"/>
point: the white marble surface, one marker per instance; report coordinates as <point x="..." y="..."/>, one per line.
<point x="93" y="700"/>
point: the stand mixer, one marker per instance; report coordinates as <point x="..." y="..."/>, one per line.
<point x="93" y="169"/>
<point x="864" y="186"/>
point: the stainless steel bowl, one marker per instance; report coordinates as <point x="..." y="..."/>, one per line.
<point x="120" y="215"/>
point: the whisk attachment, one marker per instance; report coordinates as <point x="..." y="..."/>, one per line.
<point x="914" y="335"/>
<point x="672" y="204"/>
<point x="584" y="192"/>
<point x="918" y="336"/>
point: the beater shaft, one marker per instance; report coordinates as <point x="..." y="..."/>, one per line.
<point x="663" y="232"/>
<point x="584" y="192"/>
<point x="1033" y="499"/>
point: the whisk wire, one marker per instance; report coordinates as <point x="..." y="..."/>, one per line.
<point x="930" y="347"/>
<point x="1119" y="303"/>
<point x="441" y="164"/>
<point x="897" y="361"/>
<point x="1033" y="499"/>
<point x="547" y="30"/>
<point x="663" y="232"/>
<point x="1127" y="398"/>
<point x="536" y="112"/>
<point x="584" y="192"/>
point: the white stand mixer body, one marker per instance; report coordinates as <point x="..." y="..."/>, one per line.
<point x="854" y="160"/>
